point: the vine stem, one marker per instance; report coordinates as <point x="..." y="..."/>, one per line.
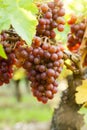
<point x="11" y="32"/>
<point x="75" y="59"/>
<point x="71" y="56"/>
<point x="69" y="66"/>
<point x="13" y="38"/>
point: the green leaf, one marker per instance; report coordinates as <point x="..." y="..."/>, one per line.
<point x="28" y="5"/>
<point x="4" y="23"/>
<point x="83" y="111"/>
<point x="4" y="19"/>
<point x="24" y="23"/>
<point x="2" y="52"/>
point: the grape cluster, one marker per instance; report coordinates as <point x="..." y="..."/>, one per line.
<point x="21" y="53"/>
<point x="51" y="17"/>
<point x="44" y="64"/>
<point x="43" y="61"/>
<point x="76" y="35"/>
<point x="6" y="65"/>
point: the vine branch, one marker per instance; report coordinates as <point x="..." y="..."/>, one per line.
<point x="73" y="57"/>
<point x="11" y="32"/>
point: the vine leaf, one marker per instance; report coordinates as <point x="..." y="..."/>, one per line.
<point x="83" y="111"/>
<point x="4" y="23"/>
<point x="28" y="5"/>
<point x="24" y="24"/>
<point x="19" y="74"/>
<point x="81" y="95"/>
<point x="19" y="14"/>
<point x="2" y="52"/>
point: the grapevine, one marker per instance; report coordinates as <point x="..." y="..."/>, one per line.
<point x="43" y="61"/>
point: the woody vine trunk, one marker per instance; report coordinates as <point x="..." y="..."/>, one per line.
<point x="66" y="116"/>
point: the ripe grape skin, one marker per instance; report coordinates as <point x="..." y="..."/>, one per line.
<point x="44" y="8"/>
<point x="48" y="15"/>
<point x="54" y="57"/>
<point x="36" y="42"/>
<point x="42" y="68"/>
<point x="31" y="58"/>
<point x="42" y="21"/>
<point x="60" y="20"/>
<point x="45" y="46"/>
<point x="50" y="72"/>
<point x="24" y="54"/>
<point x="60" y="27"/>
<point x="51" y="5"/>
<point x="50" y="87"/>
<point x="47" y="55"/>
<point x="52" y="34"/>
<point x="61" y="12"/>
<point x="41" y="88"/>
<point x="52" y="49"/>
<point x="44" y="76"/>
<point x="27" y="65"/>
<point x="49" y="94"/>
<point x="36" y="61"/>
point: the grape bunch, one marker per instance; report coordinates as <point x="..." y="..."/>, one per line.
<point x="21" y="53"/>
<point x="43" y="60"/>
<point x="6" y="65"/>
<point x="76" y="35"/>
<point x="43" y="65"/>
<point x="50" y="17"/>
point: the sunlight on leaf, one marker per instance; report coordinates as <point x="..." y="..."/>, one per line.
<point x="19" y="74"/>
<point x="2" y="52"/>
<point x="81" y="95"/>
<point x="83" y="111"/>
<point x="24" y="24"/>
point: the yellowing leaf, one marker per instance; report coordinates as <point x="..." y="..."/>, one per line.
<point x="81" y="95"/>
<point x="2" y="52"/>
<point x="19" y="74"/>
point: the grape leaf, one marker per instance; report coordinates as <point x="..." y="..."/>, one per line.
<point x="23" y="21"/>
<point x="24" y="24"/>
<point x="81" y="95"/>
<point x="19" y="74"/>
<point x="2" y="52"/>
<point x="28" y="5"/>
<point x="4" y="23"/>
<point x="83" y="111"/>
